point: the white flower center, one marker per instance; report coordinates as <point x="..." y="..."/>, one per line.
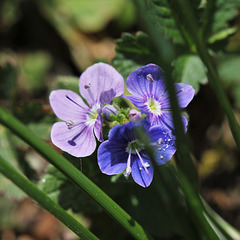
<point x="92" y="114"/>
<point x="154" y="106"/>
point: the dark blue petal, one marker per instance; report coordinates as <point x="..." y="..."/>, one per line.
<point x="167" y="120"/>
<point x="165" y="143"/>
<point x="115" y="135"/>
<point x="112" y="159"/>
<point x="140" y="176"/>
<point x="139" y="102"/>
<point x="139" y="85"/>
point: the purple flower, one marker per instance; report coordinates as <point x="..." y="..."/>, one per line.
<point x="149" y="94"/>
<point x="123" y="151"/>
<point x="98" y="84"/>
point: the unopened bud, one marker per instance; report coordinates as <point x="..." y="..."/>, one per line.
<point x="135" y="114"/>
<point x="109" y="110"/>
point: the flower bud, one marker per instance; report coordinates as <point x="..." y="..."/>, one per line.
<point x="109" y="110"/>
<point x="135" y="114"/>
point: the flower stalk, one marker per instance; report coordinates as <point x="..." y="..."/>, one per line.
<point x="185" y="17"/>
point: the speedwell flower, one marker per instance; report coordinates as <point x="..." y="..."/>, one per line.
<point x="98" y="84"/>
<point x="149" y="94"/>
<point x="123" y="151"/>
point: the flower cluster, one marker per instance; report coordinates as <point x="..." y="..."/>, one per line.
<point x="122" y="152"/>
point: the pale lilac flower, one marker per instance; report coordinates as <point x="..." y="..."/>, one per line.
<point x="98" y="84"/>
<point x="147" y="86"/>
<point x="124" y="152"/>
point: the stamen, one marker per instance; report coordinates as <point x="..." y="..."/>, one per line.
<point x="151" y="80"/>
<point x="159" y="141"/>
<point x="73" y="101"/>
<point x="88" y="88"/>
<point x="144" y="164"/>
<point x="128" y="169"/>
<point x="150" y="77"/>
<point x="70" y="124"/>
<point x="181" y="90"/>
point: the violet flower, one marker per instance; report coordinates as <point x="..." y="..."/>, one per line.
<point x="123" y="151"/>
<point x="98" y="84"/>
<point x="149" y="94"/>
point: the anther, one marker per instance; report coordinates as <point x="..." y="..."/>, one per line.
<point x="150" y="77"/>
<point x="128" y="171"/>
<point x="159" y="141"/>
<point x="146" y="164"/>
<point x="87" y="86"/>
<point x="70" y="124"/>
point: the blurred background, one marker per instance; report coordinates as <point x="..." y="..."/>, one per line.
<point x="45" y="45"/>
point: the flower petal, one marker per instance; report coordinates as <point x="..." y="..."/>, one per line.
<point x="139" y="82"/>
<point x="165" y="141"/>
<point x="122" y="134"/>
<point x="139" y="102"/>
<point x="167" y="121"/>
<point x="111" y="158"/>
<point x="185" y="94"/>
<point x="68" y="105"/>
<point x="107" y="96"/>
<point x="78" y="141"/>
<point x="140" y="176"/>
<point x="100" y="77"/>
<point x="98" y="129"/>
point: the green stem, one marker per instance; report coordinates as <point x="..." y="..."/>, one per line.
<point x="207" y="19"/>
<point x="47" y="203"/>
<point x="162" y="45"/>
<point x="77" y="177"/>
<point x="196" y="209"/>
<point x="180" y="216"/>
<point x="226" y="229"/>
<point x="182" y="8"/>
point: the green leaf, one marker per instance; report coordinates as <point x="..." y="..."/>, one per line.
<point x="65" y="193"/>
<point x="161" y="15"/>
<point x="133" y="51"/>
<point x="229" y="72"/>
<point x="189" y="69"/>
<point x="8" y="152"/>
<point x="91" y="16"/>
<point x="224" y="11"/>
<point x="9" y="12"/>
<point x="222" y="34"/>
